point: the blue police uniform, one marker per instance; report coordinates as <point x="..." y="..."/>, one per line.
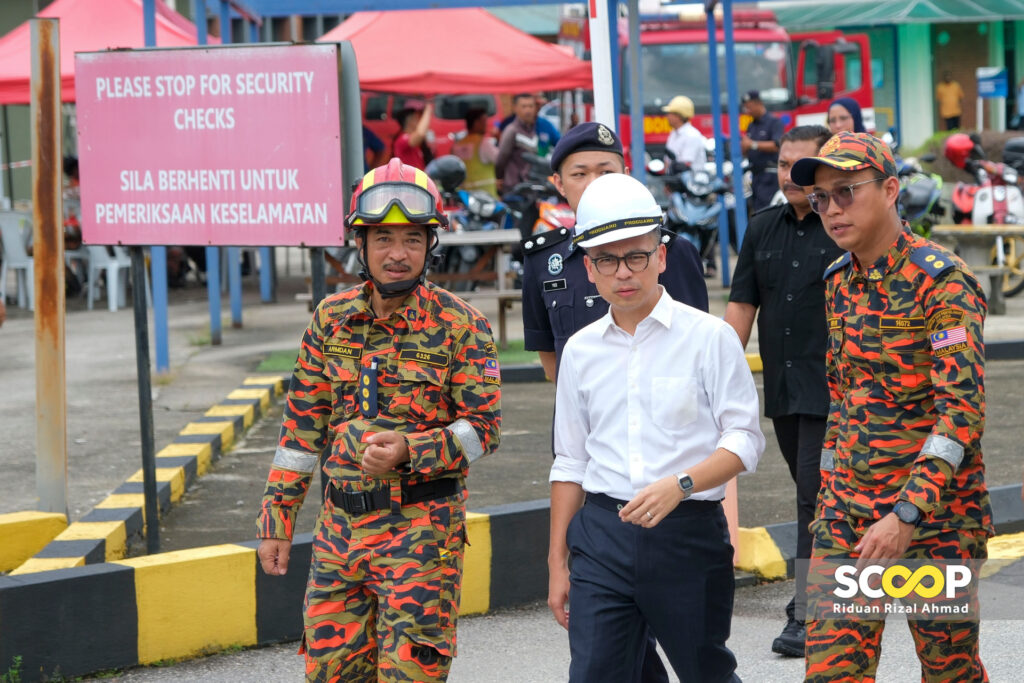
<point x="558" y="299"/>
<point x="763" y="165"/>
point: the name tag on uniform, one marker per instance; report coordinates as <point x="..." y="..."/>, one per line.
<point x="554" y="285"/>
<point x="889" y="322"/>
<point x="424" y="357"/>
<point x="342" y="350"/>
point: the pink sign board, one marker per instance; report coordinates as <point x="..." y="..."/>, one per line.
<point x="220" y="146"/>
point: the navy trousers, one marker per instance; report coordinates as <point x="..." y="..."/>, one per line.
<point x="675" y="580"/>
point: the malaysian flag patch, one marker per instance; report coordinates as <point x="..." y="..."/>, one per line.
<point x="945" y="342"/>
<point x="492" y="374"/>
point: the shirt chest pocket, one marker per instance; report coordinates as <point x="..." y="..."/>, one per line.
<point x="673" y="401"/>
<point x="906" y="356"/>
<point x="767" y="263"/>
<point x="343" y="373"/>
<point x="559" y="306"/>
<point x="419" y="393"/>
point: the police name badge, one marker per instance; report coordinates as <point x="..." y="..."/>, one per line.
<point x="555" y="264"/>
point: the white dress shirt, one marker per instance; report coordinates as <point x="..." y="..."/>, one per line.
<point x="630" y="410"/>
<point x="687" y="144"/>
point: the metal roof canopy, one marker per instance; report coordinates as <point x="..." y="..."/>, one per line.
<point x="808" y="14"/>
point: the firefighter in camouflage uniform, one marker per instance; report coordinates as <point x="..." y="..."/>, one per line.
<point x="397" y="385"/>
<point x="902" y="473"/>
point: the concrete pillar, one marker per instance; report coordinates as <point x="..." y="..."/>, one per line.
<point x="917" y="97"/>
<point x="995" y="119"/>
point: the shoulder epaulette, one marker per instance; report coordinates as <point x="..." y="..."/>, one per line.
<point x="668" y="237"/>
<point x="545" y="240"/>
<point x="838" y="264"/>
<point x="932" y="260"/>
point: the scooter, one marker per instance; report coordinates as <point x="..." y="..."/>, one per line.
<point x="693" y="208"/>
<point x="536" y="201"/>
<point x="919" y="195"/>
<point x="994" y="198"/>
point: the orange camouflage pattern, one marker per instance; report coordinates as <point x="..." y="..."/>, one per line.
<point x="382" y="595"/>
<point x="847" y="650"/>
<point x="905" y="419"/>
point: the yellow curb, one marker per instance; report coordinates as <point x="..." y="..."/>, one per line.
<point x="248" y="413"/>
<point x="754" y="361"/>
<point x="202" y="451"/>
<point x="476" y="575"/>
<point x="175" y="475"/>
<point x="262" y="394"/>
<point x="44" y="564"/>
<point x="196" y="600"/>
<point x="226" y="430"/>
<point x="275" y="380"/>
<point x="26" y="533"/>
<point x="113" y="534"/>
<point x="759" y="554"/>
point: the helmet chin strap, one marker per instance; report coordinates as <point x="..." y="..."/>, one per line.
<point x="402" y="288"/>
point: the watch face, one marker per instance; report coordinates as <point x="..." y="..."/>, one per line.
<point x="685" y="483"/>
<point x="907" y="512"/>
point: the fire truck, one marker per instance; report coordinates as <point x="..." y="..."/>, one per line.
<point x="798" y="74"/>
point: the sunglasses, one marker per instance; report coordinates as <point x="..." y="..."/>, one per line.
<point x="842" y="196"/>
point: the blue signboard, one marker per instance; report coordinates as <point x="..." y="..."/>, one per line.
<point x="992" y="81"/>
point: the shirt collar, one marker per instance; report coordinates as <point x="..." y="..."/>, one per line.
<point x="887" y="262"/>
<point x="360" y="307"/>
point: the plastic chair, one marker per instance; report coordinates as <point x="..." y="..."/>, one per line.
<point x="12" y="226"/>
<point x="116" y="267"/>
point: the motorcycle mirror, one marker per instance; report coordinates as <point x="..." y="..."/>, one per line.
<point x="656" y="166"/>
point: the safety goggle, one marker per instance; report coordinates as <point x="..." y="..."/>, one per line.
<point x="415" y="202"/>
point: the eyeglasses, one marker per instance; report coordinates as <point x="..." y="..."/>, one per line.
<point x="636" y="261"/>
<point x="842" y="196"/>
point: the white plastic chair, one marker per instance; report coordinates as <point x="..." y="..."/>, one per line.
<point x="116" y="267"/>
<point x="12" y="227"/>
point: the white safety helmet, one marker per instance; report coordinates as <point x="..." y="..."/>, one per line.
<point x="615" y="207"/>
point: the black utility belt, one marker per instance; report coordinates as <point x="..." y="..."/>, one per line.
<point x="361" y="502"/>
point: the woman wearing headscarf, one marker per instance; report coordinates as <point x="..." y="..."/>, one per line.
<point x="844" y="115"/>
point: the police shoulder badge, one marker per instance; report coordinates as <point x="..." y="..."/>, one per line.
<point x="555" y="264"/>
<point x="604" y="136"/>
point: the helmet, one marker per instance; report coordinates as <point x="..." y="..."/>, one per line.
<point x="448" y="171"/>
<point x="680" y="104"/>
<point x="615" y="207"/>
<point x="958" y="148"/>
<point x="396" y="194"/>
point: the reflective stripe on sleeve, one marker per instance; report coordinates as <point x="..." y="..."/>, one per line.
<point x="296" y="461"/>
<point x="945" y="449"/>
<point x="828" y="458"/>
<point x="472" y="449"/>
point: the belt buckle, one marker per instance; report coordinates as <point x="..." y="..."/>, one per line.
<point x="358" y="503"/>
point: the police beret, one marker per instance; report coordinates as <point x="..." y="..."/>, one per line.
<point x="586" y="137"/>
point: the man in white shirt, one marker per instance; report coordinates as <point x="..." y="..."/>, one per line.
<point x="685" y="142"/>
<point x="655" y="411"/>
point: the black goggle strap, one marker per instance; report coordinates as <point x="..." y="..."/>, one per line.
<point x="598" y="230"/>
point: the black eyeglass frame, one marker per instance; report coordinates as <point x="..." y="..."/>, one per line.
<point x="607" y="258"/>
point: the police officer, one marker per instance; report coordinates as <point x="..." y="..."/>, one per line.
<point x="398" y="381"/>
<point x="558" y="299"/>
<point x="901" y="465"/>
<point x="760" y="144"/>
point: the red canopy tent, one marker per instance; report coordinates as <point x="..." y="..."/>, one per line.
<point x="435" y="51"/>
<point x="85" y="26"/>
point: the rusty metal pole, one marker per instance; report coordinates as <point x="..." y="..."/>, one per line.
<point x="48" y="252"/>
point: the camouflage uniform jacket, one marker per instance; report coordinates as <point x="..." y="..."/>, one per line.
<point x="905" y="367"/>
<point x="438" y="385"/>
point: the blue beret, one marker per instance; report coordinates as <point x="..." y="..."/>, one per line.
<point x="586" y="137"/>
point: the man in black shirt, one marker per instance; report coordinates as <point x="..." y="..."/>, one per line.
<point x="760" y="144"/>
<point x="780" y="267"/>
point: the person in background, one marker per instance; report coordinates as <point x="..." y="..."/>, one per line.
<point x="547" y="133"/>
<point x="844" y="115"/>
<point x="685" y="144"/>
<point x="951" y="101"/>
<point x="373" y="150"/>
<point x="778" y="279"/>
<point x="518" y="138"/>
<point x="411" y="144"/>
<point x="478" y="151"/>
<point x="760" y="144"/>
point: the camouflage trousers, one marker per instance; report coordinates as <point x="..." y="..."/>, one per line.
<point x="848" y="650"/>
<point x="383" y="592"/>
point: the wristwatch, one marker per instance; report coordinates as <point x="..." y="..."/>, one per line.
<point x="907" y="512"/>
<point x="685" y="484"/>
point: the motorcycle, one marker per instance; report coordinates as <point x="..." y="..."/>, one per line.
<point x="994" y="198"/>
<point x="467" y="211"/>
<point x="919" y="195"/>
<point x="692" y="208"/>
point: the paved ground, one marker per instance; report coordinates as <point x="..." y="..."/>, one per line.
<point x="103" y="448"/>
